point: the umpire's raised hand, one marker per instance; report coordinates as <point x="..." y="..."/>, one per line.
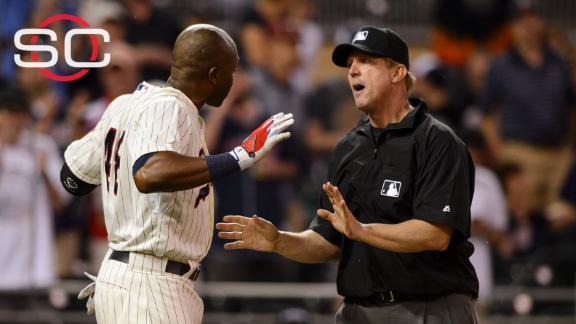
<point x="342" y="218"/>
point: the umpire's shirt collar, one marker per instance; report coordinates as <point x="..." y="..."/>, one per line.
<point x="408" y="122"/>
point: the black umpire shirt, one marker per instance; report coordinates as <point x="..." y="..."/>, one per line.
<point x="415" y="169"/>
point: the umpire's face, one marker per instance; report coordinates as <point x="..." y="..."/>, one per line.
<point x="370" y="78"/>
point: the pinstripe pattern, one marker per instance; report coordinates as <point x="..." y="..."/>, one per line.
<point x="161" y="226"/>
<point x="141" y="292"/>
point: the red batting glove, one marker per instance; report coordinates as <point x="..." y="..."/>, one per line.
<point x="262" y="140"/>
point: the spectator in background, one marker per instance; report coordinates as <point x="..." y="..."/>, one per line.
<point x="489" y="218"/>
<point x="105" y="14"/>
<point x="30" y="195"/>
<point x="527" y="229"/>
<point x="116" y="28"/>
<point x="15" y="15"/>
<point x="533" y="243"/>
<point x="527" y="100"/>
<point x="259" y="22"/>
<point x="45" y="101"/>
<point x="153" y="32"/>
<point x="98" y="12"/>
<point x="300" y="17"/>
<point x="330" y="114"/>
<point x="271" y="81"/>
<point x="464" y="26"/>
<point x="433" y="87"/>
<point x="474" y="76"/>
<point x="562" y="213"/>
<point x="561" y="217"/>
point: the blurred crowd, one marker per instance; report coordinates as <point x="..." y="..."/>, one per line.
<point x="495" y="72"/>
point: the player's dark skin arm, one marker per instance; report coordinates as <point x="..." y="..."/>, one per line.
<point x="170" y="171"/>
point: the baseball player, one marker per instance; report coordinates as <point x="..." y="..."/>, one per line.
<point x="149" y="156"/>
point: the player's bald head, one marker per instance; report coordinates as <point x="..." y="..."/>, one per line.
<point x="200" y="47"/>
<point x="204" y="60"/>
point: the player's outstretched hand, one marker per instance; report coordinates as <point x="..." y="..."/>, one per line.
<point x="342" y="218"/>
<point x="252" y="233"/>
<point x="262" y="140"/>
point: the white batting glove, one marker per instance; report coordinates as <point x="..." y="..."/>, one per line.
<point x="88" y="292"/>
<point x="262" y="140"/>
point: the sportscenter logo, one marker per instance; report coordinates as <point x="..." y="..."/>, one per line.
<point x="43" y="66"/>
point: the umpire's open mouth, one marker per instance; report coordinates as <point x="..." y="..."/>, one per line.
<point x="358" y="87"/>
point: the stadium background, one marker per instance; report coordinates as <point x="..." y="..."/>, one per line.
<point x="285" y="52"/>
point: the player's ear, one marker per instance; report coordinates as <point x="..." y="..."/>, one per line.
<point x="213" y="74"/>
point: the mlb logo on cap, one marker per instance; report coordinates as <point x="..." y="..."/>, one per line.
<point x="382" y="42"/>
<point x="360" y="36"/>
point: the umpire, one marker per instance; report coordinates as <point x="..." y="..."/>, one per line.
<point x="396" y="209"/>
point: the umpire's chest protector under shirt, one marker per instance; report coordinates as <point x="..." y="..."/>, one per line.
<point x="415" y="169"/>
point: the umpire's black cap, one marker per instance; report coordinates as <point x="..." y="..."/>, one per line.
<point x="378" y="41"/>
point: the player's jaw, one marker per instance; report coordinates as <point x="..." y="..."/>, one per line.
<point x="220" y="90"/>
<point x="218" y="96"/>
<point x="222" y="86"/>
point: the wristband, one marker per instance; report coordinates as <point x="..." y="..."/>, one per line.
<point x="73" y="184"/>
<point x="221" y="165"/>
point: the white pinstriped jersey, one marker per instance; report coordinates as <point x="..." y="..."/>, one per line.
<point x="176" y="225"/>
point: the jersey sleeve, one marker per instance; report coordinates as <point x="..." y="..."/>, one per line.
<point x="444" y="183"/>
<point x="320" y="225"/>
<point x="163" y="126"/>
<point x="84" y="156"/>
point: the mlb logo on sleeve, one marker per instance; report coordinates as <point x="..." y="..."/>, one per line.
<point x="142" y="87"/>
<point x="391" y="188"/>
